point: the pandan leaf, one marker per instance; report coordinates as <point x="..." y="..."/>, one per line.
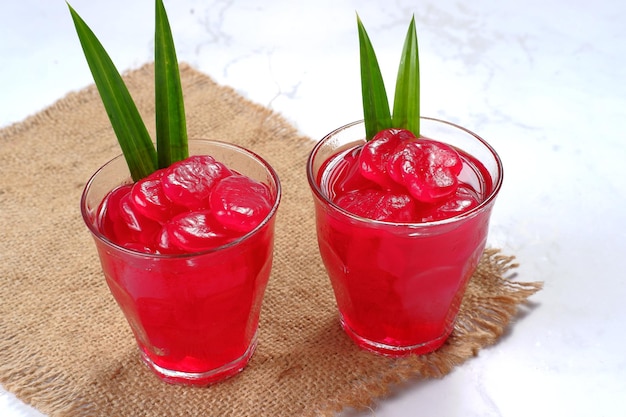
<point x="406" y="103"/>
<point x="376" y="111"/>
<point x="171" y="127"/>
<point x="126" y="121"/>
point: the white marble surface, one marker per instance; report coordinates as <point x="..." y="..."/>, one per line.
<point x="542" y="80"/>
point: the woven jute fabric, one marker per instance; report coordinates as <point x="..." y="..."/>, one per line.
<point x="65" y="347"/>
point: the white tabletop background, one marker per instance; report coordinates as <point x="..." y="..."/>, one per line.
<point x="544" y="81"/>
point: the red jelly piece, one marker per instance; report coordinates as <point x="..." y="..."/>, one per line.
<point x="188" y="183"/>
<point x="428" y="169"/>
<point x="192" y="232"/>
<point x="379" y="205"/>
<point x="464" y="199"/>
<point x="240" y="203"/>
<point x="109" y="221"/>
<point x="140" y="228"/>
<point x="347" y="176"/>
<point x="344" y="174"/>
<point x="163" y="243"/>
<point x="376" y="152"/>
<point x="139" y="247"/>
<point x="149" y="199"/>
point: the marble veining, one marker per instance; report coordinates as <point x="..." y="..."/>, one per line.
<point x="541" y="80"/>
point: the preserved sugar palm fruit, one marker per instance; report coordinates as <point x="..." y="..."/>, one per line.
<point x="193" y="205"/>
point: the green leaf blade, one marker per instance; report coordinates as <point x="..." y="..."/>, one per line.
<point x="376" y="111"/>
<point x="126" y="121"/>
<point x="406" y="103"/>
<point x="172" y="143"/>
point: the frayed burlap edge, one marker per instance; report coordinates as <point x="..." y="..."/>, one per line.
<point x="305" y="364"/>
<point x="491" y="302"/>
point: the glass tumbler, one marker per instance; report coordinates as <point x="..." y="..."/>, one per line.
<point x="194" y="315"/>
<point x="398" y="286"/>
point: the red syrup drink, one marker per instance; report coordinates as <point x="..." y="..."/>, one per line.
<point x="187" y="254"/>
<point x="399" y="253"/>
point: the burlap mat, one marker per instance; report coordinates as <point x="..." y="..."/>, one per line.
<point x="65" y="347"/>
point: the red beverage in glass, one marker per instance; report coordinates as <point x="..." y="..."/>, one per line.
<point x="399" y="284"/>
<point x="194" y="314"/>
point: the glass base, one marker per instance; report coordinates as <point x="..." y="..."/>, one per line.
<point x="202" y="378"/>
<point x="391" y="350"/>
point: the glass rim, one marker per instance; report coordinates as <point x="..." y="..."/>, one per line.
<point x="318" y="193"/>
<point x="101" y="237"/>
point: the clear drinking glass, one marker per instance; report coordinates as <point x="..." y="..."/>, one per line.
<point x="195" y="315"/>
<point x="399" y="286"/>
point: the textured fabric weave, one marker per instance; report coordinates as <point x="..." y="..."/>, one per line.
<point x="65" y="347"/>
